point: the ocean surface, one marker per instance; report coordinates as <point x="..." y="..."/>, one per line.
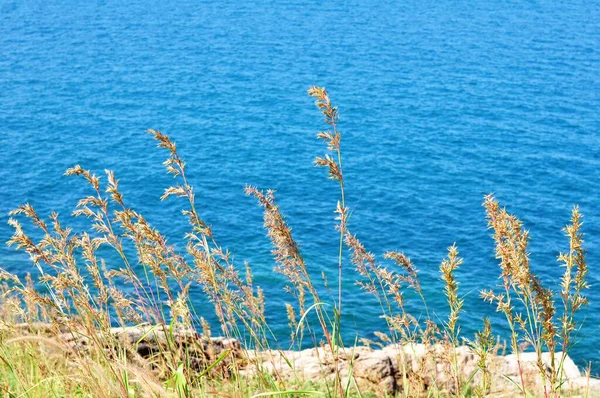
<point x="441" y="102"/>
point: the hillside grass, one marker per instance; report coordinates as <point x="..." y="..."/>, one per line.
<point x="79" y="293"/>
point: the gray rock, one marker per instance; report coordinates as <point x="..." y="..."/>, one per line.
<point x="529" y="363"/>
<point x="382" y="371"/>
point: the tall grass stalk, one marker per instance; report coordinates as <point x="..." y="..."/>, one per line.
<point x="333" y="140"/>
<point x="452" y="330"/>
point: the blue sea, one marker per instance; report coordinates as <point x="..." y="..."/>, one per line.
<point x="441" y="102"/>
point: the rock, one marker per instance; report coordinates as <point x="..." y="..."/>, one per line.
<point x="378" y="369"/>
<point x="584" y="383"/>
<point x="383" y="371"/>
<point x="529" y="364"/>
<point x="312" y="367"/>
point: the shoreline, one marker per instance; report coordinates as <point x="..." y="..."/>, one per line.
<point x="385" y="370"/>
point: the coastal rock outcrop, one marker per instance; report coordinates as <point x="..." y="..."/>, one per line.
<point x="417" y="367"/>
<point x="386" y="370"/>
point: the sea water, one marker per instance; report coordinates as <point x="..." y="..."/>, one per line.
<point x="441" y="102"/>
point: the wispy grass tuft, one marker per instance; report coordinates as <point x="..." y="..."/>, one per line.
<point x="96" y="324"/>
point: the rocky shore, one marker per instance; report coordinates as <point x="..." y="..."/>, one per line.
<point x="385" y="370"/>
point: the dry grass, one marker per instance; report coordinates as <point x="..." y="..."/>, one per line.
<point x="58" y="335"/>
